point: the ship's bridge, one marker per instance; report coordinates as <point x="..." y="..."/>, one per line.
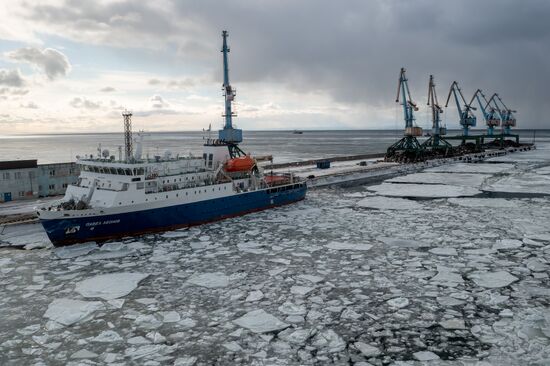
<point x="145" y="168"/>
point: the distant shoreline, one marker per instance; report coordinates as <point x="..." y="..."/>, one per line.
<point x="246" y="131"/>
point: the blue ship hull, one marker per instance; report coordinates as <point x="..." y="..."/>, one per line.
<point x="66" y="231"/>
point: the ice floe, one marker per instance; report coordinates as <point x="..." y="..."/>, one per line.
<point x="398" y="302"/>
<point x="147" y="321"/>
<point x="492" y="279"/>
<point x="254" y="296"/>
<point x="171" y="317"/>
<point x="389" y="203"/>
<point x="453" y="324"/>
<point x="68" y="311"/>
<point x="425" y="356"/>
<point x="209" y="280"/>
<point x="525" y="183"/>
<point x="73" y="251"/>
<point x="108" y="336"/>
<point x="258" y="321"/>
<point x="311" y="278"/>
<point x="507" y="244"/>
<point x="458" y="179"/>
<point x="110" y="286"/>
<point x="348" y="246"/>
<point x="301" y="290"/>
<point x="405" y="243"/>
<point x="289" y="308"/>
<point x="447" y="277"/>
<point x="367" y="350"/>
<point x="471" y="168"/>
<point x="185" y="361"/>
<point x="423" y="190"/>
<point x="443" y="251"/>
<point x="329" y="341"/>
<point x="83" y="354"/>
<point x="485" y="202"/>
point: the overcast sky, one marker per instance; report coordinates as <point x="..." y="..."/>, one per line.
<point x="72" y="65"/>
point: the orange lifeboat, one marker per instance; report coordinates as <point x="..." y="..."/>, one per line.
<point x="240" y="164"/>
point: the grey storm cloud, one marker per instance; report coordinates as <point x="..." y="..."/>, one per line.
<point x="52" y="62"/>
<point x="11" y="78"/>
<point x="351" y="51"/>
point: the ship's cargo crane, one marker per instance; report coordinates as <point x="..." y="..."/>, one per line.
<point x="229" y="135"/>
<point x="408" y="144"/>
<point x="467" y="118"/>
<point x="506" y="114"/>
<point x="436" y="141"/>
<point x="489" y="112"/>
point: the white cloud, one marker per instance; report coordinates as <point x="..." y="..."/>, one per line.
<point x="158" y="102"/>
<point x="50" y="61"/>
<point x="83" y="103"/>
<point x="29" y="105"/>
<point x="11" y="78"/>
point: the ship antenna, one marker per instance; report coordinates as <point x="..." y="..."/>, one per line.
<point x="128" y="135"/>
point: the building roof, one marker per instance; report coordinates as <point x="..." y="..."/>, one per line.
<point x="17" y="164"/>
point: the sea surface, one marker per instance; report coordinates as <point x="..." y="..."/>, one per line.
<point x="284" y="146"/>
<point x="448" y="266"/>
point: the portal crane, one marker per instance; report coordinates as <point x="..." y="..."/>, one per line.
<point x="435" y="139"/>
<point x="467" y="118"/>
<point x="506" y="114"/>
<point x="408" y="144"/>
<point x="408" y="105"/>
<point x="489" y="112"/>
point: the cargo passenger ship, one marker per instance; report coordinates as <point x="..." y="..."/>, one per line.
<point x="135" y="195"/>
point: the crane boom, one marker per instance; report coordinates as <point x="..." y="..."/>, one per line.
<point x="508" y="120"/>
<point x="466" y="118"/>
<point x="489" y="112"/>
<point x="436" y="109"/>
<point x="436" y="141"/>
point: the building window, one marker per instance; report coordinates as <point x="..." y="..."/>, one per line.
<point x="6" y="176"/>
<point x="17" y="175"/>
<point x="65" y="185"/>
<point x="51" y="186"/>
<point x="52" y="172"/>
<point x="21" y="193"/>
<point x="31" y="175"/>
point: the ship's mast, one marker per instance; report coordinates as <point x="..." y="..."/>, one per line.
<point x="228" y="134"/>
<point x="128" y="149"/>
<point x="229" y="95"/>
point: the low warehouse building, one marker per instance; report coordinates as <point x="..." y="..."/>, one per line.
<point x="25" y="179"/>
